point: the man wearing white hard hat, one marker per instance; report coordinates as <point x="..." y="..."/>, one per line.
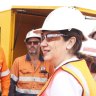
<point x="62" y="36"/>
<point x="89" y="48"/>
<point x="92" y="35"/>
<point x="29" y="72"/>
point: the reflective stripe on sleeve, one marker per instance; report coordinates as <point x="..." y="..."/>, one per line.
<point x="14" y="77"/>
<point x="36" y="79"/>
<point x="27" y="91"/>
<point x="5" y="73"/>
<point x="78" y="73"/>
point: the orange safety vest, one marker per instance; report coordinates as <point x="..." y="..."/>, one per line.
<point x="30" y="81"/>
<point x="4" y="74"/>
<point x="80" y="71"/>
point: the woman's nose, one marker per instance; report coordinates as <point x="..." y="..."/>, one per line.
<point x="44" y="42"/>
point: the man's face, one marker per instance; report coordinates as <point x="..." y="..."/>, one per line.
<point x="33" y="45"/>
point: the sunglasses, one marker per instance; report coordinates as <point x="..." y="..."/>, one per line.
<point x="33" y="42"/>
<point x="50" y="37"/>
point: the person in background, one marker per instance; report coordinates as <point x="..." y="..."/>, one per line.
<point x="61" y="41"/>
<point x="91" y="62"/>
<point x="90" y="51"/>
<point x="4" y="74"/>
<point x="93" y="69"/>
<point x="30" y="72"/>
<point x="93" y="35"/>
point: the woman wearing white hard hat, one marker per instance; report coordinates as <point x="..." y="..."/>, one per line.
<point x="61" y="40"/>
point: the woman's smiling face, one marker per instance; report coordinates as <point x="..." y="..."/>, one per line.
<point x="52" y="46"/>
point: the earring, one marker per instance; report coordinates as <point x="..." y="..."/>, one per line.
<point x="68" y="47"/>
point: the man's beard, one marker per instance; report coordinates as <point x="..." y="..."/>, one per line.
<point x="33" y="52"/>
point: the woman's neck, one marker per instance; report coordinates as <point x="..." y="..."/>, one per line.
<point x="59" y="60"/>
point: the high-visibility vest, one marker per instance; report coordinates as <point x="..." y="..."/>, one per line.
<point x="4" y="74"/>
<point x="80" y="71"/>
<point x="28" y="80"/>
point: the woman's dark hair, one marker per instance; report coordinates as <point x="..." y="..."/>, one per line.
<point x="89" y="59"/>
<point x="74" y="33"/>
<point x="93" y="67"/>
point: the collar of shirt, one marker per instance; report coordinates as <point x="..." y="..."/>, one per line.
<point x="29" y="59"/>
<point x="64" y="62"/>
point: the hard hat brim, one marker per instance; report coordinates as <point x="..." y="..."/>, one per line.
<point x="39" y="30"/>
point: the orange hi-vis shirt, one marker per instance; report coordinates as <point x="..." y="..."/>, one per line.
<point x="29" y="80"/>
<point x="4" y="74"/>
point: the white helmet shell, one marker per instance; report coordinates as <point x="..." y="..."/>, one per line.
<point x="64" y="18"/>
<point x="31" y="34"/>
<point x="89" y="49"/>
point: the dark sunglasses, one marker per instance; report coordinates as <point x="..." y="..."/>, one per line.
<point x="33" y="42"/>
<point x="49" y="37"/>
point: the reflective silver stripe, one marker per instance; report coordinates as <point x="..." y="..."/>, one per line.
<point x="5" y="73"/>
<point x="78" y="73"/>
<point x="27" y="91"/>
<point x="14" y="77"/>
<point x="36" y="79"/>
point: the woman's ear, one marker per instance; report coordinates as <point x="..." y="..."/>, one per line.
<point x="70" y="43"/>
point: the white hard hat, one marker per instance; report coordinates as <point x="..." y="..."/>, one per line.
<point x="89" y="47"/>
<point x="64" y="18"/>
<point x="32" y="34"/>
